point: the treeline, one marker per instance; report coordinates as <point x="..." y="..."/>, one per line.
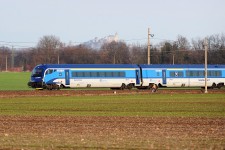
<point x="51" y="50"/>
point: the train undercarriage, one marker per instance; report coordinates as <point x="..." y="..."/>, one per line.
<point x="152" y="87"/>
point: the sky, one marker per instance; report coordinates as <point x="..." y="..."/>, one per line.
<point x="24" y="22"/>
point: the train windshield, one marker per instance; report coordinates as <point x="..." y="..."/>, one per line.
<point x="37" y="72"/>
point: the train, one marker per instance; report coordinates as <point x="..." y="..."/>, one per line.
<point x="125" y="76"/>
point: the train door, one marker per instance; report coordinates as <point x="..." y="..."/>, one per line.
<point x="67" y="77"/>
<point x="164" y="76"/>
<point x="137" y="77"/>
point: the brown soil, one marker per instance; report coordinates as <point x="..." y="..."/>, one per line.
<point x="111" y="133"/>
<point x="100" y="92"/>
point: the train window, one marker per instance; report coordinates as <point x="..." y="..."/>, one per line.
<point x="37" y="72"/>
<point x="101" y="74"/>
<point x="210" y="73"/>
<point x="49" y="71"/>
<point x="115" y="74"/>
<point x="195" y="73"/>
<point x="108" y="74"/>
<point x="74" y="74"/>
<point x="94" y="74"/>
<point x="79" y="74"/>
<point x="87" y="74"/>
<point x="122" y="74"/>
<point x="192" y="73"/>
<point x="202" y="73"/>
<point x="218" y="73"/>
<point x="172" y="74"/>
<point x="188" y="73"/>
<point x="98" y="74"/>
<point x="214" y="73"/>
<point x="181" y="74"/>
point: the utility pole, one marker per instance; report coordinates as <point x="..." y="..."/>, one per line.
<point x="6" y="63"/>
<point x="206" y="50"/>
<point x="148" y="46"/>
<point x="149" y="61"/>
<point x="12" y="60"/>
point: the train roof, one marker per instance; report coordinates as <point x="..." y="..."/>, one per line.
<point x="88" y="66"/>
<point x="129" y="66"/>
<point x="181" y="66"/>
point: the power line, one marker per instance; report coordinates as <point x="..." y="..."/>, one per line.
<point x="17" y="42"/>
<point x="17" y="46"/>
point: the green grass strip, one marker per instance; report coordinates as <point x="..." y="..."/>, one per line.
<point x="14" y="80"/>
<point x="178" y="105"/>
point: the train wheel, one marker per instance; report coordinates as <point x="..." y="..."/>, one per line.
<point x="213" y="86"/>
<point x="61" y="86"/>
<point x="56" y="87"/>
<point x="150" y="86"/>
<point x="123" y="86"/>
<point x="220" y="85"/>
<point x="49" y="87"/>
<point x="129" y="86"/>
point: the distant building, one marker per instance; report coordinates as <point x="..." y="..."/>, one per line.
<point x="96" y="43"/>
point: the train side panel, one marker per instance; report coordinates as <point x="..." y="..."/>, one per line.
<point x="183" y="75"/>
<point x="93" y="77"/>
<point x="151" y="76"/>
<point x="102" y="77"/>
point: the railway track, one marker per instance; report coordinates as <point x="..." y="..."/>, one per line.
<point x="75" y="92"/>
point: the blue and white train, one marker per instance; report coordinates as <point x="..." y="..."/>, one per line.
<point x="121" y="76"/>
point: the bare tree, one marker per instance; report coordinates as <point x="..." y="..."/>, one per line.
<point x="138" y="54"/>
<point x="197" y="44"/>
<point x="182" y="43"/>
<point x="217" y="49"/>
<point x="4" y="58"/>
<point x="48" y="47"/>
<point x="79" y="55"/>
<point x="115" y="53"/>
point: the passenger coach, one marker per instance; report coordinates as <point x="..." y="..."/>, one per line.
<point x="183" y="75"/>
<point x="53" y="76"/>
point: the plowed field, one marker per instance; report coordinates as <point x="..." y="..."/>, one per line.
<point x="109" y="132"/>
<point x="100" y="92"/>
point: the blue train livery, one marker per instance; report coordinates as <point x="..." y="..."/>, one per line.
<point x="53" y="76"/>
<point x="121" y="76"/>
<point x="183" y="75"/>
